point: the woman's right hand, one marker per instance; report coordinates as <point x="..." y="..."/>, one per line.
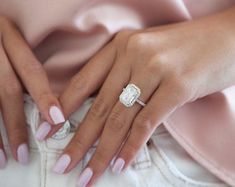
<point x="20" y="69"/>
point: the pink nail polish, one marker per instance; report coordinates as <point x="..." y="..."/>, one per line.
<point x="3" y="160"/>
<point x="84" y="178"/>
<point x="62" y="164"/>
<point x="43" y="131"/>
<point x="118" y="165"/>
<point x="23" y="154"/>
<point x="56" y="115"/>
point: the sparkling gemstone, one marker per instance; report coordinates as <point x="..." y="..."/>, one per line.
<point x="63" y="132"/>
<point x="129" y="95"/>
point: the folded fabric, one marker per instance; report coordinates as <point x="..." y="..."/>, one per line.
<point x="64" y="34"/>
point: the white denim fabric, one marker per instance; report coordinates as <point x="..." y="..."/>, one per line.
<point x="161" y="163"/>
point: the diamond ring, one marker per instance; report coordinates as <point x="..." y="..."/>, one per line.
<point x="130" y="95"/>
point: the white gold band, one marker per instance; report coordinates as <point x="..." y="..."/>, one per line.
<point x="140" y="102"/>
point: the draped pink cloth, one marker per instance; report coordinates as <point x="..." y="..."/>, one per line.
<point x="64" y="34"/>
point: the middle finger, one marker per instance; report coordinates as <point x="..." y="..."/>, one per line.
<point x="92" y="126"/>
<point x="116" y="129"/>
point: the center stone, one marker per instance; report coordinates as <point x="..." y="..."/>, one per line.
<point x="129" y="95"/>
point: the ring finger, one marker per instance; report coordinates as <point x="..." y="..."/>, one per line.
<point x="117" y="127"/>
<point x="92" y="126"/>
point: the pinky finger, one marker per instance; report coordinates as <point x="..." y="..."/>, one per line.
<point x="159" y="107"/>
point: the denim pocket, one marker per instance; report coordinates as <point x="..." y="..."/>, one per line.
<point x="177" y="166"/>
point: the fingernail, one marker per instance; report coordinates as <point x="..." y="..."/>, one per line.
<point x="118" y="165"/>
<point x="62" y="164"/>
<point x="43" y="131"/>
<point x="3" y="160"/>
<point x="23" y="154"/>
<point x="85" y="177"/>
<point x="56" y="115"/>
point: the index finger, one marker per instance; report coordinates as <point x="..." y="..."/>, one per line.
<point x="31" y="74"/>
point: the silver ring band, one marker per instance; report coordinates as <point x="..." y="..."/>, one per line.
<point x="140" y="102"/>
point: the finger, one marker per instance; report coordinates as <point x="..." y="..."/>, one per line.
<point x="91" y="128"/>
<point x="13" y="111"/>
<point x="160" y="106"/>
<point x="32" y="75"/>
<point x="88" y="80"/>
<point x="117" y="127"/>
<point x="15" y="123"/>
<point x="81" y="86"/>
<point x="3" y="160"/>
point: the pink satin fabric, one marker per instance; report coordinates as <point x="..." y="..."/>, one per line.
<point x="64" y="34"/>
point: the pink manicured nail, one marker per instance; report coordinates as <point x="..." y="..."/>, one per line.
<point x="43" y="131"/>
<point x="62" y="164"/>
<point x="56" y="115"/>
<point x="3" y="160"/>
<point x="118" y="165"/>
<point x="85" y="177"/>
<point x="23" y="154"/>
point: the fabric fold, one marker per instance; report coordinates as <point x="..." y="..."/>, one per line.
<point x="64" y="34"/>
<point x="206" y="129"/>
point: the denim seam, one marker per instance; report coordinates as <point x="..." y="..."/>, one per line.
<point x="183" y="178"/>
<point x="161" y="171"/>
<point x="179" y="174"/>
<point x="45" y="170"/>
<point x="176" y="177"/>
<point x="145" y="162"/>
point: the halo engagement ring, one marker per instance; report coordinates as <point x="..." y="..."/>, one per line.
<point x="130" y="95"/>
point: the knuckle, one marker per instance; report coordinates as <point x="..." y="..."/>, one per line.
<point x="153" y="66"/>
<point x="121" y="35"/>
<point x="100" y="155"/>
<point x="116" y="122"/>
<point x="99" y="109"/>
<point x="76" y="144"/>
<point x="79" y="83"/>
<point x="46" y="97"/>
<point x="136" y="41"/>
<point x="157" y="64"/>
<point x="143" y="123"/>
<point x="130" y="150"/>
<point x="182" y="88"/>
<point x="99" y="159"/>
<point x="121" y="39"/>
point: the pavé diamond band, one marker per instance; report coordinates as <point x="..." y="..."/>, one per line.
<point x="130" y="95"/>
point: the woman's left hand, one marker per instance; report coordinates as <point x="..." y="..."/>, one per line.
<point x="172" y="65"/>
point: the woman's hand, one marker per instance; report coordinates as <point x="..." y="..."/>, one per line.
<point x="172" y="65"/>
<point x="18" y="68"/>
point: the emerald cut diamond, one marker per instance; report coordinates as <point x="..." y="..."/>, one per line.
<point x="129" y="95"/>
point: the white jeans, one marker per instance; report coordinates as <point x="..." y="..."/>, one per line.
<point x="162" y="163"/>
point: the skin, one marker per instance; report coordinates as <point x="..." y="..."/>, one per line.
<point x="172" y="65"/>
<point x="20" y="71"/>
